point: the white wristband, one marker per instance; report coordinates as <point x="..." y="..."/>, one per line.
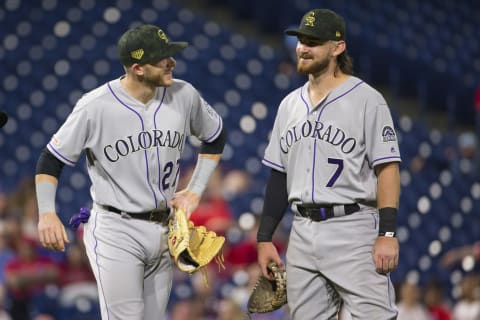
<point x="203" y="170"/>
<point x="46" y="196"/>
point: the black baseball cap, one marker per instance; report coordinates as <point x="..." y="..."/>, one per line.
<point x="320" y="24"/>
<point x="146" y="44"/>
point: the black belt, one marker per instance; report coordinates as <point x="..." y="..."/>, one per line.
<point x="155" y="215"/>
<point x="321" y="213"/>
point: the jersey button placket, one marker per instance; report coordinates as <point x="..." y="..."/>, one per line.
<point x="152" y="154"/>
<point x="151" y="151"/>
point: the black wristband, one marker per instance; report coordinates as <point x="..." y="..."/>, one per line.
<point x="388" y="222"/>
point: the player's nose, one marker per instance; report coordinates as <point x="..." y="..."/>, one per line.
<point x="301" y="48"/>
<point x="171" y="62"/>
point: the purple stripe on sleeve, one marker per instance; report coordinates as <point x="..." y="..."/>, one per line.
<point x="59" y="155"/>
<point x="217" y="131"/>
<point x="273" y="164"/>
<point x="392" y="158"/>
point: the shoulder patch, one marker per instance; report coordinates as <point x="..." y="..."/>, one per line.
<point x="388" y="134"/>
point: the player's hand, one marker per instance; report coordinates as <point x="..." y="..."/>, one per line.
<point x="385" y="254"/>
<point x="266" y="253"/>
<point x="51" y="232"/>
<point x="186" y="200"/>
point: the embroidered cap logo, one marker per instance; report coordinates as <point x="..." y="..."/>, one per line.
<point x="310" y="20"/>
<point x="137" y="54"/>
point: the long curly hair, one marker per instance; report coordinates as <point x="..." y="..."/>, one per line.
<point x="345" y="63"/>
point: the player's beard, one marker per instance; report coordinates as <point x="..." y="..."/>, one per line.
<point x="159" y="80"/>
<point x="313" y="66"/>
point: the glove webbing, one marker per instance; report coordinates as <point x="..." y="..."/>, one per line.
<point x="219" y="259"/>
<point x="268" y="295"/>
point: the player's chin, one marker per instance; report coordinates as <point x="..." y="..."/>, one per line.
<point x="167" y="80"/>
<point x="303" y="69"/>
<point x="303" y="66"/>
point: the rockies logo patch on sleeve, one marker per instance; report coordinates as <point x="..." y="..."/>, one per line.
<point x="388" y="134"/>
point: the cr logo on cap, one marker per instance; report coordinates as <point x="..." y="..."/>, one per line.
<point x="310" y="20"/>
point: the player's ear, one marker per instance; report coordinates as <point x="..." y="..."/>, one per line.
<point x="136" y="69"/>
<point x="339" y="48"/>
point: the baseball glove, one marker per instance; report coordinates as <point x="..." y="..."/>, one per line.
<point x="191" y="247"/>
<point x="269" y="295"/>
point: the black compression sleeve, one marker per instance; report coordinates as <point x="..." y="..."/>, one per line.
<point x="216" y="146"/>
<point x="49" y="164"/>
<point x="274" y="205"/>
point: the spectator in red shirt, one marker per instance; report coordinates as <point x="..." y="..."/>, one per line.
<point x="76" y="268"/>
<point x="434" y="297"/>
<point x="26" y="276"/>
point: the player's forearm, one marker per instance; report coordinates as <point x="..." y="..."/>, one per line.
<point x="206" y="164"/>
<point x="388" y="185"/>
<point x="274" y="205"/>
<point x="208" y="159"/>
<point x="46" y="188"/>
<point x="388" y="193"/>
<point x="46" y="180"/>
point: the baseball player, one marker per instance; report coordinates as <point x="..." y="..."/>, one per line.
<point x="132" y="130"/>
<point x="334" y="156"/>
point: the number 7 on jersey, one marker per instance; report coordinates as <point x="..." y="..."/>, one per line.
<point x="336" y="174"/>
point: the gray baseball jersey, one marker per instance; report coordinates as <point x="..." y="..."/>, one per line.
<point x="135" y="148"/>
<point x="329" y="150"/>
<point x="328" y="153"/>
<point x="133" y="152"/>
